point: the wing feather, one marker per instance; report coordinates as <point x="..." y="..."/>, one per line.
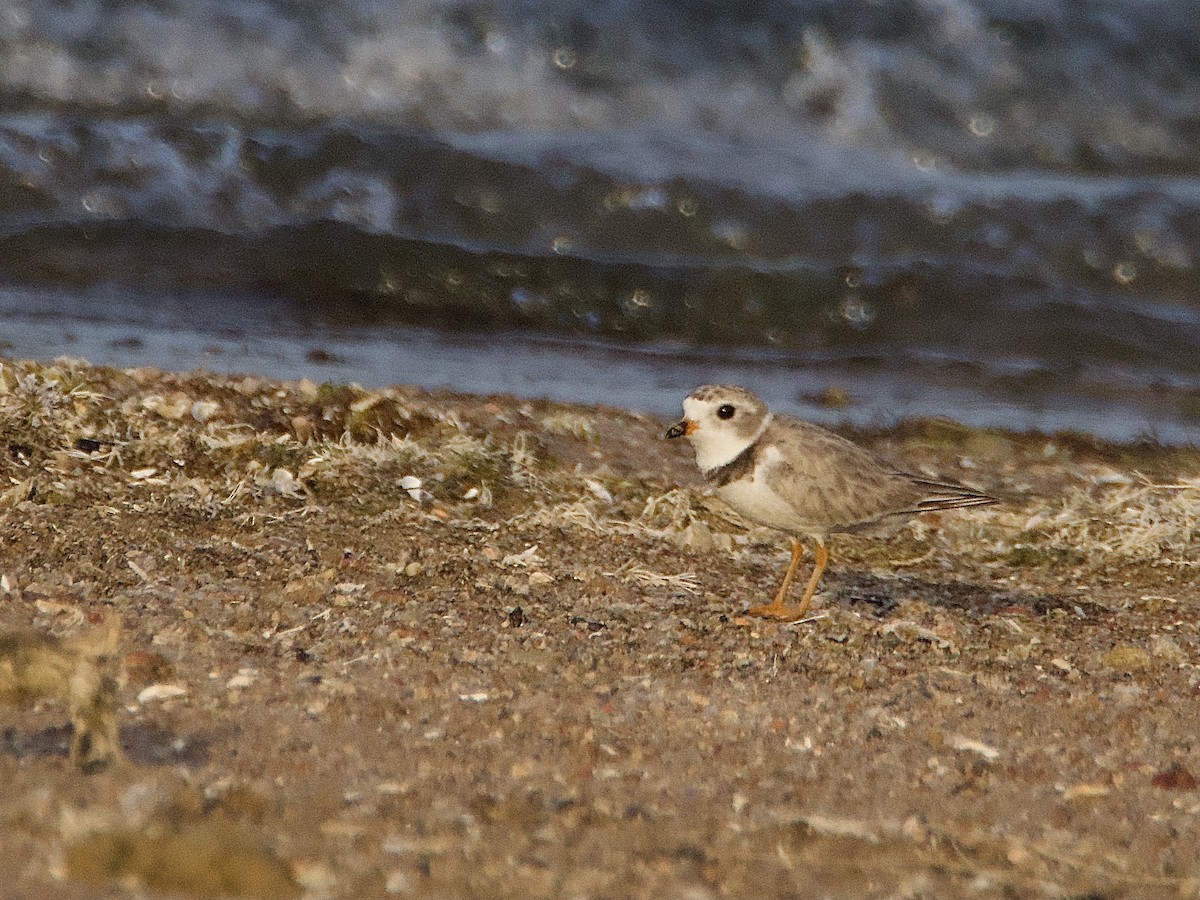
<point x="834" y="485"/>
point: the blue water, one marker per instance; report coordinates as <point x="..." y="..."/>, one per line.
<point x="988" y="210"/>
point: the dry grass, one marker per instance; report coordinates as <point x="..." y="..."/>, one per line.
<point x="82" y="672"/>
<point x="212" y="444"/>
<point x="1110" y="524"/>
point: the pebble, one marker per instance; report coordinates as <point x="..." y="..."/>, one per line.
<point x="160" y="692"/>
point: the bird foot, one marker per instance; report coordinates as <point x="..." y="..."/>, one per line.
<point x="777" y="611"/>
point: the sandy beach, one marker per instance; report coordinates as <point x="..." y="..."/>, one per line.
<point x="392" y="643"/>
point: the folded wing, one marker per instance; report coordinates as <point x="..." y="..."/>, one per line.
<point x="834" y="485"/>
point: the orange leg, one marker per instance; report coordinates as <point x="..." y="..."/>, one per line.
<point x="776" y="609"/>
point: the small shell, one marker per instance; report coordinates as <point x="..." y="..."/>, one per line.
<point x="203" y="410"/>
<point x="244" y="678"/>
<point x="160" y="692"/>
<point x="598" y="490"/>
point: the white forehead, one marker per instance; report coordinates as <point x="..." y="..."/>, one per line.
<point x="694" y="408"/>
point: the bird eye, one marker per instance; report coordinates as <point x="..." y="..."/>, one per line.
<point x="725" y="412"/>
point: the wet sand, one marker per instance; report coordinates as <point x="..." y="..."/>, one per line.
<point x="531" y="674"/>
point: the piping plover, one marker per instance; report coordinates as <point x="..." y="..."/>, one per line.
<point x="801" y="479"/>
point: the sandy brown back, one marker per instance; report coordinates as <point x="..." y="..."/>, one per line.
<point x="831" y="483"/>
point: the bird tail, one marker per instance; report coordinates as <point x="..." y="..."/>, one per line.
<point x="948" y="495"/>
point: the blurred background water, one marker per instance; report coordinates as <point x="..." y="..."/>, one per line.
<point x="985" y="209"/>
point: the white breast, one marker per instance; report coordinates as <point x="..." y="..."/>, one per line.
<point x="753" y="498"/>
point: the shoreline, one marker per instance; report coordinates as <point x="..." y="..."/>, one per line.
<point x="862" y="388"/>
<point x="530" y="673"/>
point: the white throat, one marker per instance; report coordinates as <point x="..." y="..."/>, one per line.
<point x="716" y="447"/>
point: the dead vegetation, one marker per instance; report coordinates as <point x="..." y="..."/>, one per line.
<point x="214" y="445"/>
<point x="81" y="672"/>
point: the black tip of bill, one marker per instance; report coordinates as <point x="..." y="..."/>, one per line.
<point x="679" y="429"/>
